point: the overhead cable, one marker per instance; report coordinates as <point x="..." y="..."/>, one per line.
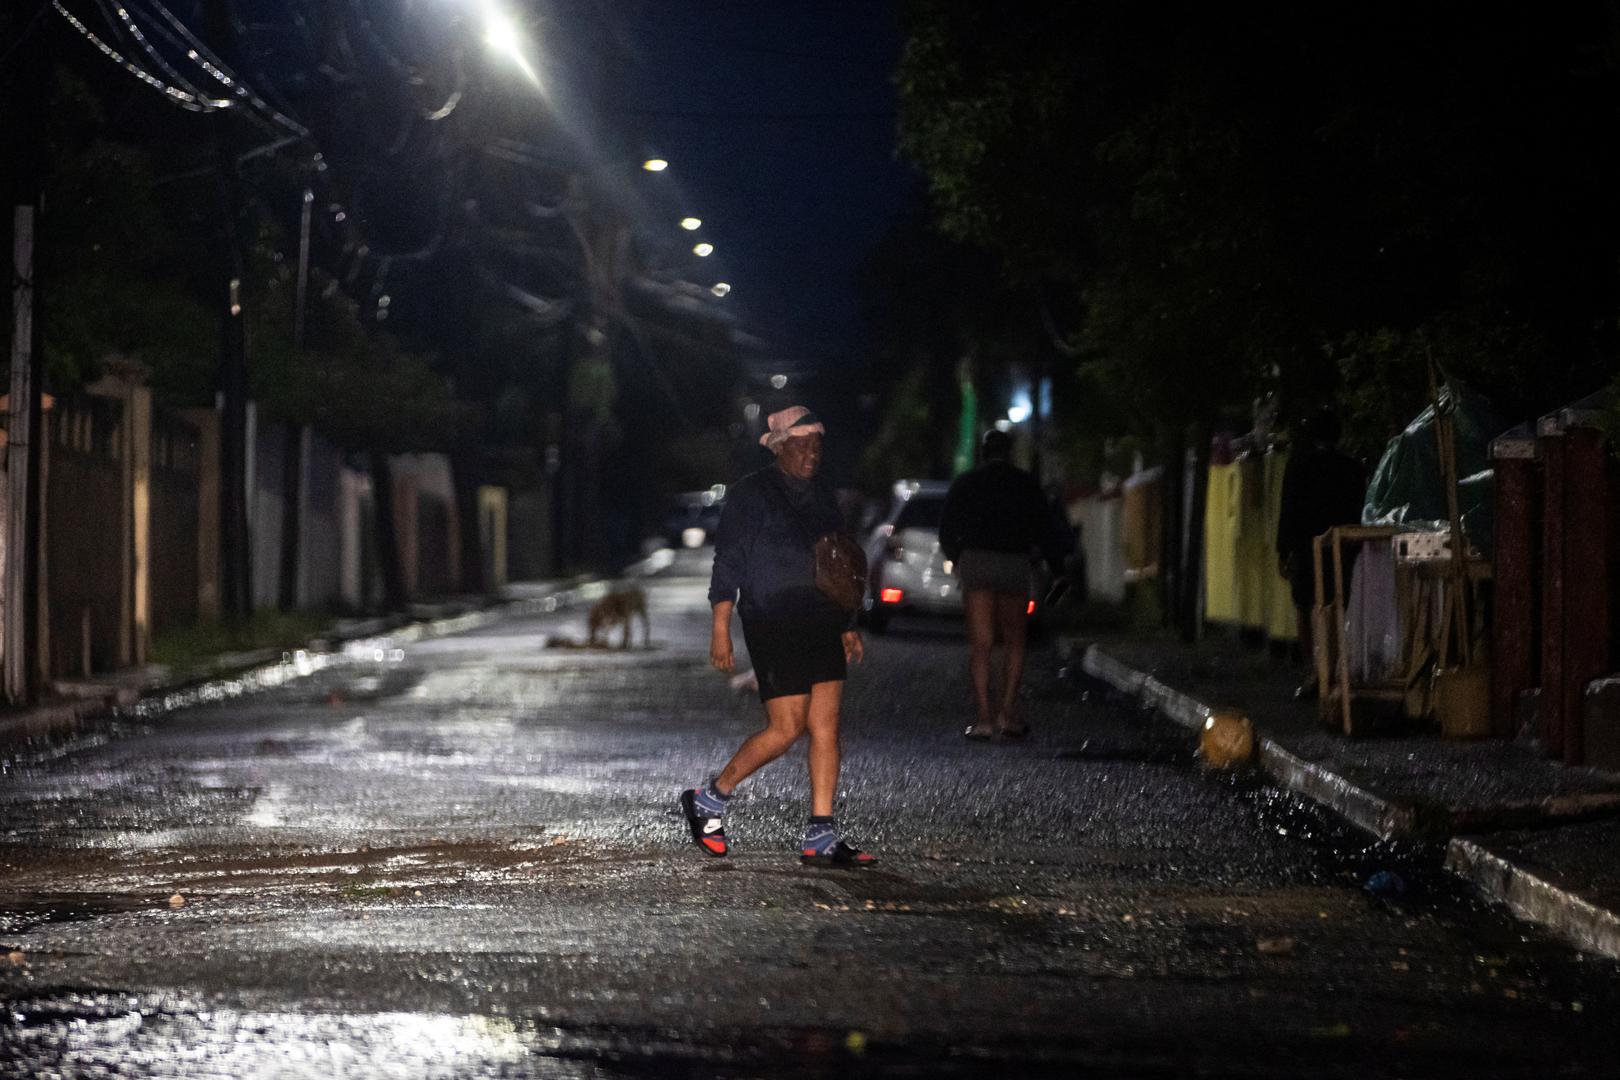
<point x="216" y="68"/>
<point x="176" y="95"/>
<point x="115" y="12"/>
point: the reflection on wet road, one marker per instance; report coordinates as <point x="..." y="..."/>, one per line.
<point x="463" y="860"/>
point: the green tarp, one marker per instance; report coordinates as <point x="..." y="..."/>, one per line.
<point x="1408" y="488"/>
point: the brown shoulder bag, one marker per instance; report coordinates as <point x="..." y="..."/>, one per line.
<point x="841" y="570"/>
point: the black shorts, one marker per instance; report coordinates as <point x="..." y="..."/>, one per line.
<point x="792" y="655"/>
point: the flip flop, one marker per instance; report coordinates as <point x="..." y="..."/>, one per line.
<point x="1013" y="731"/>
<point x="979" y="732"/>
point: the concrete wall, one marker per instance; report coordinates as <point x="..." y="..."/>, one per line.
<point x="131" y="525"/>
<point x="426" y="523"/>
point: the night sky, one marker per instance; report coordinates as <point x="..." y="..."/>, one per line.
<point x="779" y="123"/>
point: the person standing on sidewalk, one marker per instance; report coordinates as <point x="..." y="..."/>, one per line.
<point x="994" y="519"/>
<point x="799" y="640"/>
<point x="1322" y="487"/>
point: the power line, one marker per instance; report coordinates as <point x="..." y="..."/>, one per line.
<point x="108" y="10"/>
<point x="215" y="67"/>
<point x="176" y="96"/>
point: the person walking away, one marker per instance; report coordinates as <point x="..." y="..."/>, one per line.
<point x="1322" y="487"/>
<point x="800" y="641"/>
<point x="995" y="517"/>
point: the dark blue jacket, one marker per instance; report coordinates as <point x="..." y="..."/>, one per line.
<point x="764" y="549"/>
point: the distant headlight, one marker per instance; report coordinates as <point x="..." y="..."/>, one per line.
<point x="693" y="537"/>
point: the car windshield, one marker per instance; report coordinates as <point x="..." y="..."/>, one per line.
<point x="920" y="512"/>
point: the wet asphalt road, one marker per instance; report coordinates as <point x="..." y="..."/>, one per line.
<point x="464" y="861"/>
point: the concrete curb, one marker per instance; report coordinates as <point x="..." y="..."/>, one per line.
<point x="1384" y="819"/>
<point x="1183" y="709"/>
<point x="1535" y="899"/>
<point x="1529" y="897"/>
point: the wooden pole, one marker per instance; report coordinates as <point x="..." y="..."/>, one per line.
<point x="1445" y="439"/>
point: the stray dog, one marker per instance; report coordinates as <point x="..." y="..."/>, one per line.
<point x="620" y="607"/>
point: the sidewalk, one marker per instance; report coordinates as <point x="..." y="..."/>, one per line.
<point x="1537" y="836"/>
<point x="79" y="702"/>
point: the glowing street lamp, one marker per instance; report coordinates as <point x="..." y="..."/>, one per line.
<point x="503" y="36"/>
<point x="656" y="164"/>
<point x="703" y="250"/>
<point x="691" y="223"/>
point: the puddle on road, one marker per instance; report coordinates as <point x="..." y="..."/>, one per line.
<point x="20" y="914"/>
<point x="85" y="1031"/>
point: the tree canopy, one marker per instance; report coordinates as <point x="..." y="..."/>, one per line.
<point x="1302" y="199"/>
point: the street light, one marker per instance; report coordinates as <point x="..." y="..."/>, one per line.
<point x="502" y="35"/>
<point x="703" y="250"/>
<point x="656" y="164"/>
<point x="691" y="223"/>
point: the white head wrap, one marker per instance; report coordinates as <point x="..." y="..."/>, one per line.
<point x="790" y="422"/>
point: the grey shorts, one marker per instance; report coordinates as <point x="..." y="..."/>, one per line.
<point x="1002" y="571"/>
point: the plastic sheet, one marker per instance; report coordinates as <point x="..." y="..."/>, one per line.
<point x="1408" y="488"/>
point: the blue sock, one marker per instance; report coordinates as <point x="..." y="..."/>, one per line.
<point x="709" y="802"/>
<point x="820" y="836"/>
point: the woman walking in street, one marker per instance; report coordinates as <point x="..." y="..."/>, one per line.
<point x="800" y="641"/>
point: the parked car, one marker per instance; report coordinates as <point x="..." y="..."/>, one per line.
<point x="908" y="572"/>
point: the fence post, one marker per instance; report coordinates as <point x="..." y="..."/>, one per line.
<point x="140" y="430"/>
<point x="1586" y="609"/>
<point x="1554" y="496"/>
<point x="206" y="421"/>
<point x="1513" y="629"/>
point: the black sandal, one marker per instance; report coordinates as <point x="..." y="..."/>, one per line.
<point x="842" y="854"/>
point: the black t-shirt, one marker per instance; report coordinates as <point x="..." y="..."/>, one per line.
<point x="998" y="507"/>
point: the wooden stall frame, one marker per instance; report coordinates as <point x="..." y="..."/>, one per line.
<point x="1335" y="692"/>
<point x="1425" y="640"/>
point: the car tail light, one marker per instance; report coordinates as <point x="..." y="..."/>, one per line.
<point x="891" y="596"/>
<point x="1031" y="609"/>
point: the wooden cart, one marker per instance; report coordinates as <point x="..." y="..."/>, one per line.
<point x="1424" y="599"/>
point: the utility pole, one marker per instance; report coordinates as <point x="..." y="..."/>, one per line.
<point x="292" y="514"/>
<point x="25" y="422"/>
<point x="236" y="593"/>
